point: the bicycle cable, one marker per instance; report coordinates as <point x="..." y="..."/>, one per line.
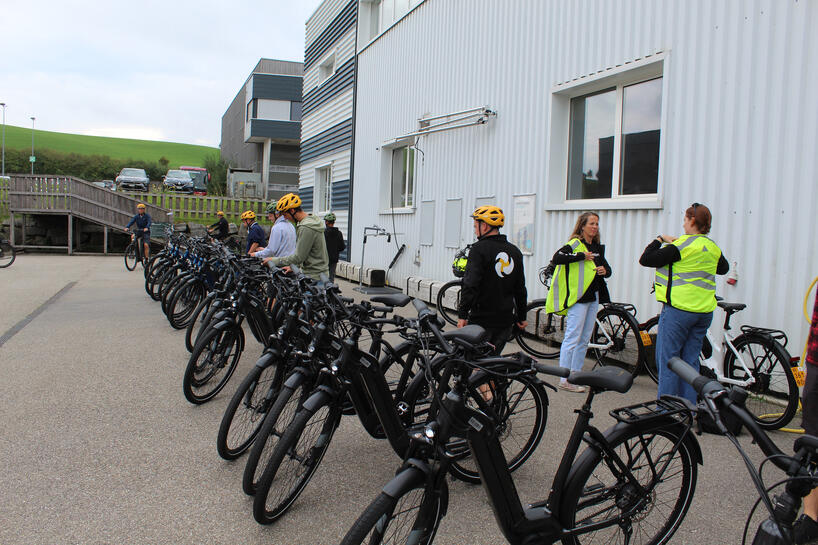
<point x="768" y="490"/>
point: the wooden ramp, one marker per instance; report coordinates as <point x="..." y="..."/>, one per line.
<point x="73" y="198"/>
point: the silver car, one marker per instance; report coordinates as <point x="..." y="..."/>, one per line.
<point x="132" y="178"/>
<point x="178" y="180"/>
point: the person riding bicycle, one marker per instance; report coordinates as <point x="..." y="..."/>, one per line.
<point x="282" y="236"/>
<point x="493" y="294"/>
<point x="220" y="229"/>
<point x="143" y="229"/>
<point x="577" y="290"/>
<point x="805" y="529"/>
<point x="335" y="243"/>
<point x="310" y="246"/>
<point x="255" y="234"/>
<point x="685" y="282"/>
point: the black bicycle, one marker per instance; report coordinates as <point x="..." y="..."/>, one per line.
<point x="134" y="253"/>
<point x="632" y="484"/>
<point x="7" y="253"/>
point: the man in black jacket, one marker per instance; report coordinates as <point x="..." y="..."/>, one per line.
<point x="493" y="295"/>
<point x="335" y="243"/>
<point x="220" y="229"/>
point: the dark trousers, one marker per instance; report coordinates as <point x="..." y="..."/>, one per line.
<point x="498" y="336"/>
<point x="332" y="271"/>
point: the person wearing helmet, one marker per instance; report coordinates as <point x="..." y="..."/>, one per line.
<point x="493" y="294"/>
<point x="255" y="234"/>
<point x="142" y="230"/>
<point x="335" y="243"/>
<point x="282" y="236"/>
<point x="220" y="229"/>
<point x="310" y="246"/>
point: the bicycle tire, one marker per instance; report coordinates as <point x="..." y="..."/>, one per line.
<point x="296" y="457"/>
<point x="249" y="405"/>
<point x="152" y="280"/>
<point x="171" y="288"/>
<point x="199" y="314"/>
<point x="221" y="350"/>
<point x="412" y="515"/>
<point x="542" y="337"/>
<point x="594" y="494"/>
<point x="773" y="399"/>
<point x="184" y="302"/>
<point x="447" y="313"/>
<point x="286" y="405"/>
<point x="627" y="351"/>
<point x="7" y="254"/>
<point x="207" y="322"/>
<point x="651" y="328"/>
<point x="130" y="256"/>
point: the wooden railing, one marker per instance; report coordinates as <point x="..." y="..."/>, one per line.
<point x="4" y="197"/>
<point x="192" y="207"/>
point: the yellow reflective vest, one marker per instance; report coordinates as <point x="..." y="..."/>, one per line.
<point x="691" y="281"/>
<point x="570" y="282"/>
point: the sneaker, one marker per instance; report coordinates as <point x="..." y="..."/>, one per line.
<point x="805" y="530"/>
<point x="567" y="386"/>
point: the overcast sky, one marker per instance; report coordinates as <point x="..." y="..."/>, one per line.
<point x="148" y="69"/>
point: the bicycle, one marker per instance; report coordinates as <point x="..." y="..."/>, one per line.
<point x="133" y="253"/>
<point x="801" y="469"/>
<point x="757" y="360"/>
<point x="634" y="482"/>
<point x="7" y="253"/>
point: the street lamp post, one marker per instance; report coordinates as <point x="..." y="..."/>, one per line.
<point x="3" y="169"/>
<point x="32" y="145"/>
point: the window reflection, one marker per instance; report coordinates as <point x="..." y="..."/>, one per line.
<point x="591" y="145"/>
<point x="641" y="116"/>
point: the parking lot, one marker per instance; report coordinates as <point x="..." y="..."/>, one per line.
<point x="98" y="444"/>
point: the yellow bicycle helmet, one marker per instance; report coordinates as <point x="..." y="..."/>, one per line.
<point x="220" y="213"/>
<point x="491" y="215"/>
<point x="249" y="215"/>
<point x="288" y="202"/>
<point x="141" y="206"/>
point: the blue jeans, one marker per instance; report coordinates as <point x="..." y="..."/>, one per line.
<point x="579" y="324"/>
<point x="680" y="334"/>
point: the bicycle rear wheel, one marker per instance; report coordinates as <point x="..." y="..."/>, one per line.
<point x="651" y="330"/>
<point x="543" y="335"/>
<point x="598" y="492"/>
<point x="130" y="256"/>
<point x="7" y="254"/>
<point x="212" y="363"/>
<point x="773" y="398"/>
<point x="448" y="296"/>
<point x="620" y="331"/>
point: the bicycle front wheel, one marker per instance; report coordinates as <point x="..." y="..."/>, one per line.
<point x="448" y="299"/>
<point x="411" y="516"/>
<point x="212" y="363"/>
<point x="617" y="341"/>
<point x="130" y="256"/>
<point x="543" y="335"/>
<point x="773" y="398"/>
<point x="7" y="254"/>
<point x="645" y="512"/>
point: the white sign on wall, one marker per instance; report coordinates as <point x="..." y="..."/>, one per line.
<point x="522" y="226"/>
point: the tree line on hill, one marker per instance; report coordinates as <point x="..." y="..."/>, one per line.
<point x="103" y="167"/>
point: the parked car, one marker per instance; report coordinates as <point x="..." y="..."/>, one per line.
<point x="178" y="180"/>
<point x="106" y="184"/>
<point x="200" y="178"/>
<point x="132" y="178"/>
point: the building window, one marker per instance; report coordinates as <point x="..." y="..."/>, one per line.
<point x="249" y="113"/>
<point x="326" y="69"/>
<point x="295" y="111"/>
<point x="402" y="187"/>
<point x="614" y="141"/>
<point x="323" y="189"/>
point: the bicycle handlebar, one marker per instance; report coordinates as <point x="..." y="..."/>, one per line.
<point x="424" y="313"/>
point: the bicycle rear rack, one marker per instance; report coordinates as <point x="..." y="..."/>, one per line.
<point x="776" y="334"/>
<point x="656" y="409"/>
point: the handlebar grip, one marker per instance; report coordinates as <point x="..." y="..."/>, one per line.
<point x="702" y="385"/>
<point x="421" y="307"/>
<point x="553" y="370"/>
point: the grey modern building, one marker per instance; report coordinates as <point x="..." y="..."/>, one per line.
<point x="261" y="129"/>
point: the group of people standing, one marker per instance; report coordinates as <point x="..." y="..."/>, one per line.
<point x="494" y="294"/>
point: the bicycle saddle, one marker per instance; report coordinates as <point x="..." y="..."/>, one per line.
<point x="472" y="334"/>
<point x="604" y="378"/>
<point x="732" y="307"/>
<point x="393" y="300"/>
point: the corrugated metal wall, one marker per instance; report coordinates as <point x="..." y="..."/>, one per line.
<point x="739" y="132"/>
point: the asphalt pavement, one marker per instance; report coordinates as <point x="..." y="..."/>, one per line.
<point x="99" y="445"/>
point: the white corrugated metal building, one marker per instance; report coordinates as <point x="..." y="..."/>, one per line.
<point x="634" y="109"/>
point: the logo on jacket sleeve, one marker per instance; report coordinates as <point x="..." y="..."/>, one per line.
<point x="503" y="265"/>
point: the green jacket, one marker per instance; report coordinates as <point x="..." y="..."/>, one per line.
<point x="310" y="248"/>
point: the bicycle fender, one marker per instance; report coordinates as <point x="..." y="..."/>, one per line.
<point x="407" y="478"/>
<point x="322" y="395"/>
<point x="224" y="324"/>
<point x="266" y="359"/>
<point x="295" y="377"/>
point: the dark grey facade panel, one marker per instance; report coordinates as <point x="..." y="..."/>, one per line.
<point x="277" y="87"/>
<point x="274" y="66"/>
<point x="296" y="111"/>
<point x="338" y="83"/>
<point x="340" y="195"/>
<point x="337" y="28"/>
<point x="234" y="150"/>
<point x="335" y="138"/>
<point x="268" y="128"/>
<point x="306" y="199"/>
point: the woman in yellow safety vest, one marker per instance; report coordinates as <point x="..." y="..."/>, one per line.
<point x="685" y="283"/>
<point x="577" y="289"/>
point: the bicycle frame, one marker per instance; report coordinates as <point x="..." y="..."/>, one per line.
<point x="716" y="360"/>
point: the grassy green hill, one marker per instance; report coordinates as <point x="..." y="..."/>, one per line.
<point x="116" y="148"/>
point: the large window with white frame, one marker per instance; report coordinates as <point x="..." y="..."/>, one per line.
<point x="402" y="178"/>
<point x="323" y="189"/>
<point x="614" y="137"/>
